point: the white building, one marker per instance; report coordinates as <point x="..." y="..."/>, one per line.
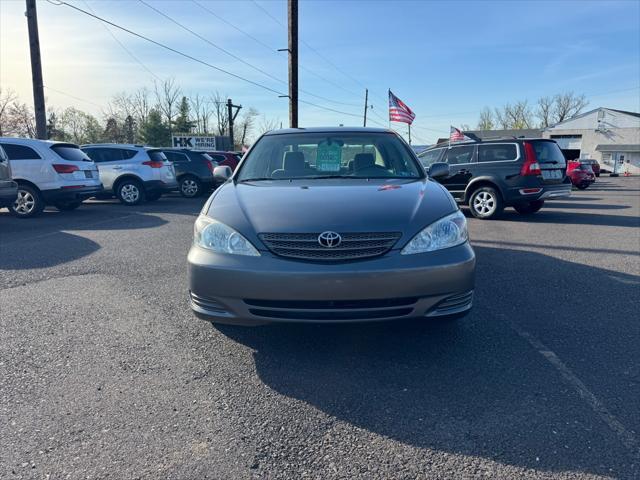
<point x="612" y="137"/>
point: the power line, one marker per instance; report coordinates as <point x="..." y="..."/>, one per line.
<point x="129" y="52"/>
<point x="266" y="12"/>
<point x="258" y="41"/>
<point x="72" y="96"/>
<point x="273" y="50"/>
<point x="223" y="50"/>
<point x="166" y="47"/>
<point x="190" y="57"/>
<point x="258" y="69"/>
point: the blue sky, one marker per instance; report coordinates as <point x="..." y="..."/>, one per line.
<point x="446" y="60"/>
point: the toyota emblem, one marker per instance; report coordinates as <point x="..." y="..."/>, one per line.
<point x="329" y="239"/>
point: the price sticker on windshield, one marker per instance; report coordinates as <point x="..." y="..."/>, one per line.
<point x="328" y="157"/>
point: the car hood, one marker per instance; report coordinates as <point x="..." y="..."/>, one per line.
<point x="341" y="205"/>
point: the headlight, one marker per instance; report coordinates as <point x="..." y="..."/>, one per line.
<point x="216" y="236"/>
<point x="446" y="232"/>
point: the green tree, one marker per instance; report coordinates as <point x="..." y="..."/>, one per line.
<point x="154" y="132"/>
<point x="182" y="123"/>
<point x="129" y="129"/>
<point x="112" y="133"/>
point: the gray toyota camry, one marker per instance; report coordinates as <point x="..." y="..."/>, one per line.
<point x="330" y="225"/>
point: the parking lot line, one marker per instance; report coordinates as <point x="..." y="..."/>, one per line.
<point x="626" y="437"/>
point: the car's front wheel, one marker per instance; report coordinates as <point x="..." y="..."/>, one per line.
<point x="528" y="208"/>
<point x="190" y="187"/>
<point x="67" y="206"/>
<point x="29" y="202"/>
<point x="582" y="186"/>
<point x="486" y="203"/>
<point x="130" y="192"/>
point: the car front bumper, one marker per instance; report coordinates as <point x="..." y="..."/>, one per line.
<point x="8" y="193"/>
<point x="255" y="290"/>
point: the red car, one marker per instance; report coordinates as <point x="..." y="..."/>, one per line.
<point x="580" y="173"/>
<point x="226" y="158"/>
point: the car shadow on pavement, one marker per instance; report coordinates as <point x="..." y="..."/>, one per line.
<point x="585" y="206"/>
<point x="572" y="218"/>
<point x="51" y="222"/>
<point x="167" y="204"/>
<point x="472" y="387"/>
<point x="44" y="254"/>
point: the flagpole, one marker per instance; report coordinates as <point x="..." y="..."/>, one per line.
<point x="388" y="116"/>
<point x="409" y="134"/>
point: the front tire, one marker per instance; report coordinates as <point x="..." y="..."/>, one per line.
<point x="29" y="202"/>
<point x="582" y="186"/>
<point x="130" y="192"/>
<point x="486" y="203"/>
<point x="529" y="207"/>
<point x="190" y="187"/>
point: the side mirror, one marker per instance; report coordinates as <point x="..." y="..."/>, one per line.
<point x="222" y="173"/>
<point x="438" y="170"/>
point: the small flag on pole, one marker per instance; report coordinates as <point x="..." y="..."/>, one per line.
<point x="398" y="111"/>
<point x="456" y="135"/>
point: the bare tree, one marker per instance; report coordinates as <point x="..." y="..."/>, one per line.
<point x="21" y="120"/>
<point x="514" y="116"/>
<point x="465" y="127"/>
<point x="487" y="121"/>
<point x="545" y="111"/>
<point x="243" y="128"/>
<point x="202" y="112"/>
<point x="141" y="105"/>
<point x="72" y="122"/>
<point x="567" y="105"/>
<point x="7" y="98"/>
<point x="267" y="124"/>
<point x="220" y="113"/>
<point x="168" y="95"/>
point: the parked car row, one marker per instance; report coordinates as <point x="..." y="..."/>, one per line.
<point x="38" y="173"/>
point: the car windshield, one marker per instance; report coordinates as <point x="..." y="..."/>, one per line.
<point x="329" y="155"/>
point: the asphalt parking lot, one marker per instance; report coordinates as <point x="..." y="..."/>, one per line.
<point x="105" y="373"/>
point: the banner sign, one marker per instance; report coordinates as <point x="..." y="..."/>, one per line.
<point x="194" y="142"/>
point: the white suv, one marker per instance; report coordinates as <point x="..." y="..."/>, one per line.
<point x="133" y="173"/>
<point x="49" y="173"/>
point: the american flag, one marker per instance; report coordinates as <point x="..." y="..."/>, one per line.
<point x="456" y="135"/>
<point x="398" y="111"/>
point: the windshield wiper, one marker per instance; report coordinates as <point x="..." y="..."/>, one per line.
<point x="257" y="179"/>
<point x="316" y="177"/>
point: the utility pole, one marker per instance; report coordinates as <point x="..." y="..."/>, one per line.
<point x="36" y="70"/>
<point x="293" y="63"/>
<point x="366" y="106"/>
<point x="232" y="117"/>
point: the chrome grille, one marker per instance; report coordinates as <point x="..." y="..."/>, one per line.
<point x="354" y="246"/>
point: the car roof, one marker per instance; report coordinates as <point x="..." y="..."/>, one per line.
<point x="488" y="140"/>
<point x="31" y="141"/>
<point x="288" y="131"/>
<point x="120" y="145"/>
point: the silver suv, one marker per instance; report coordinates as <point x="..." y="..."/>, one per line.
<point x="133" y="173"/>
<point x="49" y="173"/>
